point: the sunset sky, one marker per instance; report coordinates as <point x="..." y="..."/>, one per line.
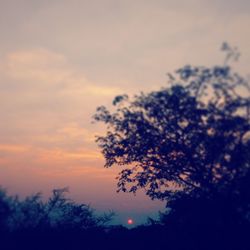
<point x="60" y="59"/>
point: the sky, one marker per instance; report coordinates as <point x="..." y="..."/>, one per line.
<point x="60" y="59"/>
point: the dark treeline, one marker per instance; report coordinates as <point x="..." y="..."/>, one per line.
<point x="59" y="223"/>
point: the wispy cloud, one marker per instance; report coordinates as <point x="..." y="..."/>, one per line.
<point x="12" y="148"/>
<point x="45" y="98"/>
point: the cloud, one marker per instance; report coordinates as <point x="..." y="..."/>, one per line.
<point x="37" y="65"/>
<point x="52" y="161"/>
<point x="73" y="130"/>
<point x="43" y="105"/>
<point x="41" y="67"/>
<point x="43" y="79"/>
<point x="12" y="148"/>
<point x="61" y="155"/>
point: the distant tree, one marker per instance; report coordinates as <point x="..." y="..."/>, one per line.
<point x="56" y="223"/>
<point x="5" y="209"/>
<point x="57" y="213"/>
<point x="191" y="137"/>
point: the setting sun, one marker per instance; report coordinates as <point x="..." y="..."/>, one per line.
<point x="130" y="221"/>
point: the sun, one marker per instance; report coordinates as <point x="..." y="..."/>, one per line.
<point x="130" y="221"/>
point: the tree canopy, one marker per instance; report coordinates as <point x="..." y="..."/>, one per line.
<point x="192" y="135"/>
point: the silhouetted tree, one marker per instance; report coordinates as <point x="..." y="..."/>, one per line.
<point x="188" y="144"/>
<point x="192" y="135"/>
<point x="56" y="223"/>
<point x="5" y="209"/>
<point x="58" y="212"/>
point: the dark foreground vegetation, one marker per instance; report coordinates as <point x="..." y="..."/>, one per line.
<point x="62" y="224"/>
<point x="187" y="144"/>
<point x="59" y="223"/>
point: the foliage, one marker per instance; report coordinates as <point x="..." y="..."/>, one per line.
<point x="58" y="212"/>
<point x="190" y="136"/>
<point x="188" y="144"/>
<point x="4" y="209"/>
